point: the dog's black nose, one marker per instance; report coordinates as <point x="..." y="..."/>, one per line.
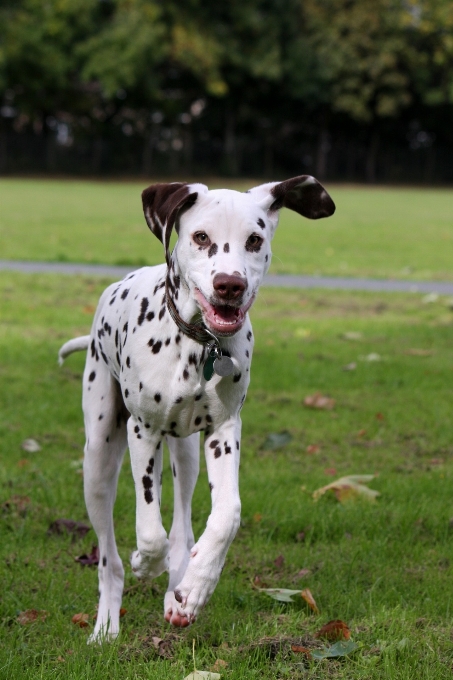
<point x="229" y="287"/>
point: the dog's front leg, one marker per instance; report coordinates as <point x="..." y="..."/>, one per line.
<point x="151" y="557"/>
<point x="207" y="556"/>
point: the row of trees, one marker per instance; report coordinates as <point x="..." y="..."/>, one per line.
<point x="344" y="88"/>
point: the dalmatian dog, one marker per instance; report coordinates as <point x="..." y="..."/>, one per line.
<point x="168" y="358"/>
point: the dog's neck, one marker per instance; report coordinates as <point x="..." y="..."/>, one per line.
<point x="181" y="304"/>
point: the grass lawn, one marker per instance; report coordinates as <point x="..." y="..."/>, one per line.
<point x="376" y="232"/>
<point x="385" y="568"/>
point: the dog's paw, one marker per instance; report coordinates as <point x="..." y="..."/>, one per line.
<point x="103" y="632"/>
<point x="171" y="613"/>
<point x="146" y="567"/>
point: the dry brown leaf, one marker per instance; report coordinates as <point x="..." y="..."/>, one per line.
<point x="257" y="517"/>
<point x="31" y="615"/>
<point x="218" y="665"/>
<point x="61" y="659"/>
<point x="303" y="573"/>
<point x="279" y="561"/>
<point x="309" y="599"/>
<point x="81" y="620"/>
<point x="319" y="401"/>
<point x="349" y="488"/>
<point x="123" y="611"/>
<point x="333" y="631"/>
<point x="313" y="448"/>
<point x="18" y="504"/>
<point x="298" y="649"/>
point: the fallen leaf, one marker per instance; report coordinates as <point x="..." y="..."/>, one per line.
<point x="279" y="594"/>
<point x="319" y="401"/>
<point x="380" y="416"/>
<point x="156" y="641"/>
<point x="279" y="561"/>
<point x="313" y="448"/>
<point x="373" y="356"/>
<point x="31" y="615"/>
<point x="303" y="573"/>
<point x="61" y="659"/>
<point x="334" y="630"/>
<point x="330" y="471"/>
<point x="309" y="599"/>
<point x="419" y="352"/>
<point x="123" y="611"/>
<point x="68" y="526"/>
<point x="23" y="462"/>
<point x="219" y="664"/>
<point x="300" y="537"/>
<point x="361" y="433"/>
<point x="301" y="650"/>
<point x="355" y="336"/>
<point x="349" y="488"/>
<point x="31" y="446"/>
<point x="81" y="620"/>
<point x="258" y="583"/>
<point x="275" y="440"/>
<point x="257" y="517"/>
<point x="350" y="367"/>
<point x="340" y="648"/>
<point x="89" y="309"/>
<point x="90" y="560"/>
<point x="196" y="675"/>
<point x="18" y="504"/>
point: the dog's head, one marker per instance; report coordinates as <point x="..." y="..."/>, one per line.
<point x="224" y="236"/>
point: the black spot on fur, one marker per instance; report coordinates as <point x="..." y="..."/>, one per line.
<point x="237" y="445"/>
<point x="107" y="439"/>
<point x="140" y="387"/>
<point x="150" y="316"/>
<point x="101" y="417"/>
<point x="147" y="482"/>
<point x="143" y="308"/>
<point x="208" y="418"/>
<point x="185" y="374"/>
<point x="227" y="448"/>
<point x="198" y="397"/>
<point x="124" y="293"/>
<point x="105" y="358"/>
<point x="249" y="336"/>
<point x="167" y="342"/>
<point x="217" y="452"/>
<point x="197" y="420"/>
<point x="125" y="327"/>
<point x="104" y="561"/>
<point x="116" y="338"/>
<point x="150" y="342"/>
<point x="213" y="249"/>
<point x="92" y="376"/>
<point x="172" y="425"/>
<point x="150" y="467"/>
<point x="247" y="353"/>
<point x="162" y="312"/>
<point x="211" y="486"/>
<point x="157" y="397"/>
<point x="136" y="428"/>
<point x="266" y="258"/>
<point x="214" y="443"/>
<point x="112" y="300"/>
<point x="178" y="400"/>
<point x="174" y="470"/>
<point x="126" y="393"/>
<point x="193" y="359"/>
<point x="177" y="339"/>
<point x="148" y="496"/>
<point x="156" y="347"/>
<point x="260" y="223"/>
<point x="226" y="248"/>
<point x="237" y="377"/>
<point x="128" y="362"/>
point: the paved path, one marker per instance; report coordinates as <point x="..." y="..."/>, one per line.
<point x="277" y="281"/>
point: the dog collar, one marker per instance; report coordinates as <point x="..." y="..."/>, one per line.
<point x="216" y="362"/>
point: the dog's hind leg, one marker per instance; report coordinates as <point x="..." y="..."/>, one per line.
<point x="106" y="440"/>
<point x="185" y="465"/>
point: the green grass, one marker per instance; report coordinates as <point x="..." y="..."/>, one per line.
<point x="377" y="232"/>
<point x="384" y="568"/>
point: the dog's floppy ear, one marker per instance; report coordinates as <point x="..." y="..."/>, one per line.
<point x="303" y="194"/>
<point x="163" y="203"/>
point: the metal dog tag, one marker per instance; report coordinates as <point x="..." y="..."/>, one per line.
<point x="223" y="366"/>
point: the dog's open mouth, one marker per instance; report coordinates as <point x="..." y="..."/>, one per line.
<point x="222" y="319"/>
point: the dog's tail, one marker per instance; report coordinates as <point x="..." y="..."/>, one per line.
<point x="74" y="345"/>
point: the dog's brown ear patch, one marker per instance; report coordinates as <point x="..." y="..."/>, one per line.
<point x="303" y="194"/>
<point x="161" y="205"/>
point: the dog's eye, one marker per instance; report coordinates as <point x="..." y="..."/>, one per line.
<point x="254" y="243"/>
<point x="201" y="238"/>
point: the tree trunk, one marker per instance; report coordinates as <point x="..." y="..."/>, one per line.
<point x="371" y="158"/>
